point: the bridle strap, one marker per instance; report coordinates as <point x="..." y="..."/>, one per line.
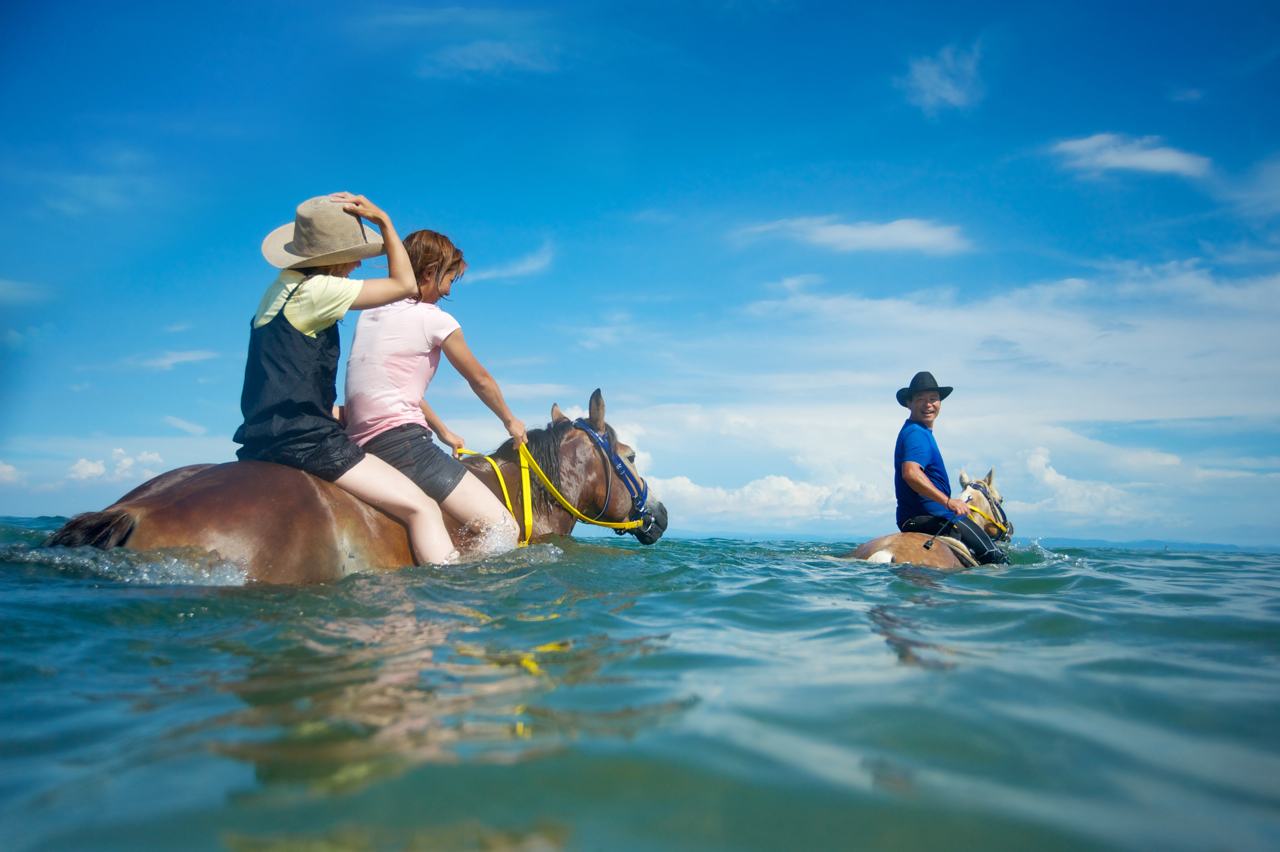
<point x="639" y="491"/>
<point x="995" y="507"/>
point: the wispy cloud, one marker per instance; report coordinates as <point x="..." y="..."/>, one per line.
<point x="1103" y="152"/>
<point x="8" y="473"/>
<point x="110" y="178"/>
<point x="185" y="425"/>
<point x="21" y="292"/>
<point x="169" y="360"/>
<point x="948" y="80"/>
<point x="530" y="264"/>
<point x="487" y="56"/>
<point x="475" y="42"/>
<point x="1258" y="193"/>
<point x="921" y="235"/>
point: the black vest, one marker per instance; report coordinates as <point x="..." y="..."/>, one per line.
<point x="290" y="385"/>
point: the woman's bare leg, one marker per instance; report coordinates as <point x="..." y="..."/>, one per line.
<point x="381" y="485"/>
<point x="487" y="525"/>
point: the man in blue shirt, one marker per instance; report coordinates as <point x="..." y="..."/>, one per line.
<point x="925" y="504"/>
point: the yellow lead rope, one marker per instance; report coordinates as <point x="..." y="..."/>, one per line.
<point x="998" y="525"/>
<point x="527" y="461"/>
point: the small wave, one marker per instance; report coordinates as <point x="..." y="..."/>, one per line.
<point x="184" y="566"/>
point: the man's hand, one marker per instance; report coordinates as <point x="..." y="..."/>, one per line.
<point x="960" y="507"/>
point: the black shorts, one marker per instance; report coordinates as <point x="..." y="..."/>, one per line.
<point x="410" y="450"/>
<point x="325" y="453"/>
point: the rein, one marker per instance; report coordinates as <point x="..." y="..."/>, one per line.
<point x="528" y="462"/>
<point x="995" y="507"/>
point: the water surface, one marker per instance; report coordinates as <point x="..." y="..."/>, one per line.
<point x="595" y="694"/>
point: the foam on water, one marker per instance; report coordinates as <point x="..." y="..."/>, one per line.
<point x="158" y="567"/>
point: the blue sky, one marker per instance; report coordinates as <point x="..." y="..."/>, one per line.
<point x="749" y="223"/>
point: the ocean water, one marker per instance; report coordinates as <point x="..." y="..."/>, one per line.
<point x="595" y="694"/>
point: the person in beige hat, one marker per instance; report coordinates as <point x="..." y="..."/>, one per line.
<point x="290" y="376"/>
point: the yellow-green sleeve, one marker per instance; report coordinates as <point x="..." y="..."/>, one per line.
<point x="321" y="301"/>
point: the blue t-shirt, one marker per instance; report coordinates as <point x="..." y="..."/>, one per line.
<point x="916" y="444"/>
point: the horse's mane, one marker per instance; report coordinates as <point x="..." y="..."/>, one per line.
<point x="544" y="446"/>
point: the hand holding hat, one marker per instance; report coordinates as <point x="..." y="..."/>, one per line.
<point x="358" y="205"/>
<point x="326" y="230"/>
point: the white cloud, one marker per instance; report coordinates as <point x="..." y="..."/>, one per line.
<point x="1113" y="151"/>
<point x="111" y="178"/>
<point x="488" y="56"/>
<point x="1258" y="193"/>
<point x="607" y="331"/>
<point x="530" y="264"/>
<point x="185" y="425"/>
<point x="473" y="42"/>
<point x="85" y="469"/>
<point x="169" y="360"/>
<point x="948" y="80"/>
<point x="921" y="235"/>
<point x="21" y="292"/>
<point x="530" y="390"/>
<point x="1093" y="500"/>
<point x="124" y="466"/>
<point x="8" y="473"/>
<point x="1040" y="371"/>
<point x="771" y="502"/>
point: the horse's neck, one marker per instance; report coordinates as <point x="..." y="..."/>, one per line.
<point x="549" y="517"/>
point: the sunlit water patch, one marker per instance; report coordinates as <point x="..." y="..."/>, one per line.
<point x="595" y="694"/>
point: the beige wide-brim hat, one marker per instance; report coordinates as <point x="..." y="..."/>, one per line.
<point x="321" y="234"/>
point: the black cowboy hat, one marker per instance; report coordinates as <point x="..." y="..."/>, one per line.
<point x="921" y="381"/>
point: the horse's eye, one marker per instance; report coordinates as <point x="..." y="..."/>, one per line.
<point x="631" y="457"/>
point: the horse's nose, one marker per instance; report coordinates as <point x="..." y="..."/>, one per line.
<point x="655" y="524"/>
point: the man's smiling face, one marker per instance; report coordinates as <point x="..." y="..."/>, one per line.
<point x="925" y="406"/>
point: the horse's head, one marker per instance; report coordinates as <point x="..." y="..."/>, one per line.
<point x="603" y="473"/>
<point x="982" y="493"/>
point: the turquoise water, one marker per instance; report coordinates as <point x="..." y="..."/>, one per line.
<point x="594" y="694"/>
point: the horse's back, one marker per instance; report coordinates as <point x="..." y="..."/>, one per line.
<point x="284" y="525"/>
<point x="909" y="547"/>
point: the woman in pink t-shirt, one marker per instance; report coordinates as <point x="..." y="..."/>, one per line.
<point x="393" y="359"/>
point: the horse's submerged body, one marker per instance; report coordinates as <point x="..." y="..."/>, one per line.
<point x="945" y="554"/>
<point x="286" y="526"/>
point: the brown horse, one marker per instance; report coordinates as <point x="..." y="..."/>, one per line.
<point x="945" y="554"/>
<point x="286" y="526"/>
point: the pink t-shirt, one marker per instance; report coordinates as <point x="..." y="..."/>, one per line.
<point x="393" y="357"/>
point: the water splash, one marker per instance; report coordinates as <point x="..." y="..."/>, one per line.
<point x="178" y="567"/>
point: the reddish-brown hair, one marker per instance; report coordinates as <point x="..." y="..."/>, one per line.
<point x="434" y="257"/>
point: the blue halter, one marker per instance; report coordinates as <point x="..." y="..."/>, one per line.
<point x="638" y="489"/>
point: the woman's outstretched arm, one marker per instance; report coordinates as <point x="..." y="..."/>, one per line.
<point x="484" y="385"/>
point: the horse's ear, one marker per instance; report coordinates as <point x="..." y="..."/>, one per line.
<point x="991" y="476"/>
<point x="596" y="409"/>
<point x="964" y="479"/>
<point x="556" y="414"/>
